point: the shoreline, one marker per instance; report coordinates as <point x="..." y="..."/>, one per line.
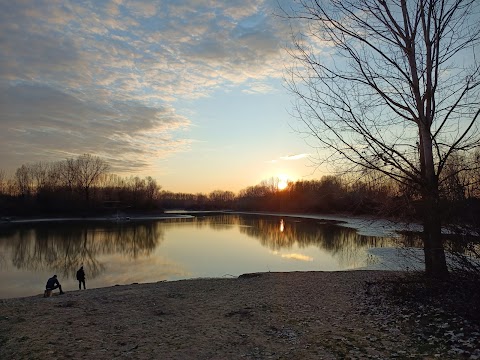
<point x="33" y="220"/>
<point x="365" y="225"/>
<point x="55" y="293"/>
<point x="12" y="290"/>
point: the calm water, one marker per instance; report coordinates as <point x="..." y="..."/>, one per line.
<point x="149" y="251"/>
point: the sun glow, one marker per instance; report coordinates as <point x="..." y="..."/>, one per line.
<point x="282" y="182"/>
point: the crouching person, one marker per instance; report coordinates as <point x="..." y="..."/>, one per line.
<point x="52" y="284"/>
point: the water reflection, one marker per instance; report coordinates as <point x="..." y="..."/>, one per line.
<point x="170" y="249"/>
<point x="64" y="247"/>
<point x="343" y="243"/>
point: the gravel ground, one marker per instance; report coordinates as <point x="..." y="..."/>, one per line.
<point x="298" y="315"/>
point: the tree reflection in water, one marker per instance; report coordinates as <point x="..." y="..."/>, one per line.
<point x="276" y="234"/>
<point x="341" y="242"/>
<point x="64" y="247"/>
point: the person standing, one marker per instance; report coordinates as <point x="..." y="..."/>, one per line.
<point x="52" y="284"/>
<point x="81" y="278"/>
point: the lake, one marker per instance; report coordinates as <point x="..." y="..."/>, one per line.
<point x="139" y="251"/>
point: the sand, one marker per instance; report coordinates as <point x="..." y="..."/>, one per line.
<point x="298" y="315"/>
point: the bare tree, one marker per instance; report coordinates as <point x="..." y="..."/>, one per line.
<point x="221" y="199"/>
<point x="40" y="173"/>
<point x="152" y="188"/>
<point x="67" y="173"/>
<point x="23" y="178"/>
<point x="473" y="189"/>
<point x="3" y="182"/>
<point x="88" y="170"/>
<point x="271" y="184"/>
<point x="390" y="85"/>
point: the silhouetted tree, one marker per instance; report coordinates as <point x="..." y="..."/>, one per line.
<point x="221" y="199"/>
<point x="3" y="182"/>
<point x="391" y="86"/>
<point x="88" y="170"/>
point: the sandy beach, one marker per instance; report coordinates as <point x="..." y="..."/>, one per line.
<point x="298" y="315"/>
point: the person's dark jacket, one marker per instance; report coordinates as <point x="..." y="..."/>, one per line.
<point x="52" y="282"/>
<point x="80" y="274"/>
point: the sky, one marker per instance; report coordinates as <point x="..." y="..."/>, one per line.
<point x="190" y="92"/>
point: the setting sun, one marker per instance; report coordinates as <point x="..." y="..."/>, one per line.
<point x="282" y="182"/>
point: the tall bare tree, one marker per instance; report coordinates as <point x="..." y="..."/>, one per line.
<point x="390" y="85"/>
<point x="24" y="181"/>
<point x="88" y="170"/>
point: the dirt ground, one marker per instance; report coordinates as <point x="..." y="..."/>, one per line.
<point x="299" y="315"/>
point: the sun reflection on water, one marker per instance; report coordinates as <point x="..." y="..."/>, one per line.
<point x="203" y="246"/>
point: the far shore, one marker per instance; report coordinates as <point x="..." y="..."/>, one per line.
<point x="123" y="217"/>
<point x="365" y="225"/>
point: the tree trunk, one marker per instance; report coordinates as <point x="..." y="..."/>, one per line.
<point x="435" y="261"/>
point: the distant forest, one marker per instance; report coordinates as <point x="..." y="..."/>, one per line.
<point x="85" y="186"/>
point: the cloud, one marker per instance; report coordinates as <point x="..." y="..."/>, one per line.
<point x="294" y="157"/>
<point x="259" y="88"/>
<point x="105" y="77"/>
<point x="51" y="124"/>
<point x="142" y="8"/>
<point x="180" y="43"/>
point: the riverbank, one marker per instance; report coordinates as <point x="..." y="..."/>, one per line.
<point x="114" y="218"/>
<point x="298" y="315"/>
<point x="365" y="225"/>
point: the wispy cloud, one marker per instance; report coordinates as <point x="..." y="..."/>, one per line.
<point x="106" y="77"/>
<point x="259" y="88"/>
<point x="292" y="157"/>
<point x="45" y="122"/>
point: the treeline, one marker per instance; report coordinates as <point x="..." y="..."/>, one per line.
<point x="85" y="185"/>
<point x="368" y="195"/>
<point x="74" y="186"/>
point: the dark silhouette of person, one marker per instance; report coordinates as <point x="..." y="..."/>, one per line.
<point x="81" y="278"/>
<point x="52" y="284"/>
